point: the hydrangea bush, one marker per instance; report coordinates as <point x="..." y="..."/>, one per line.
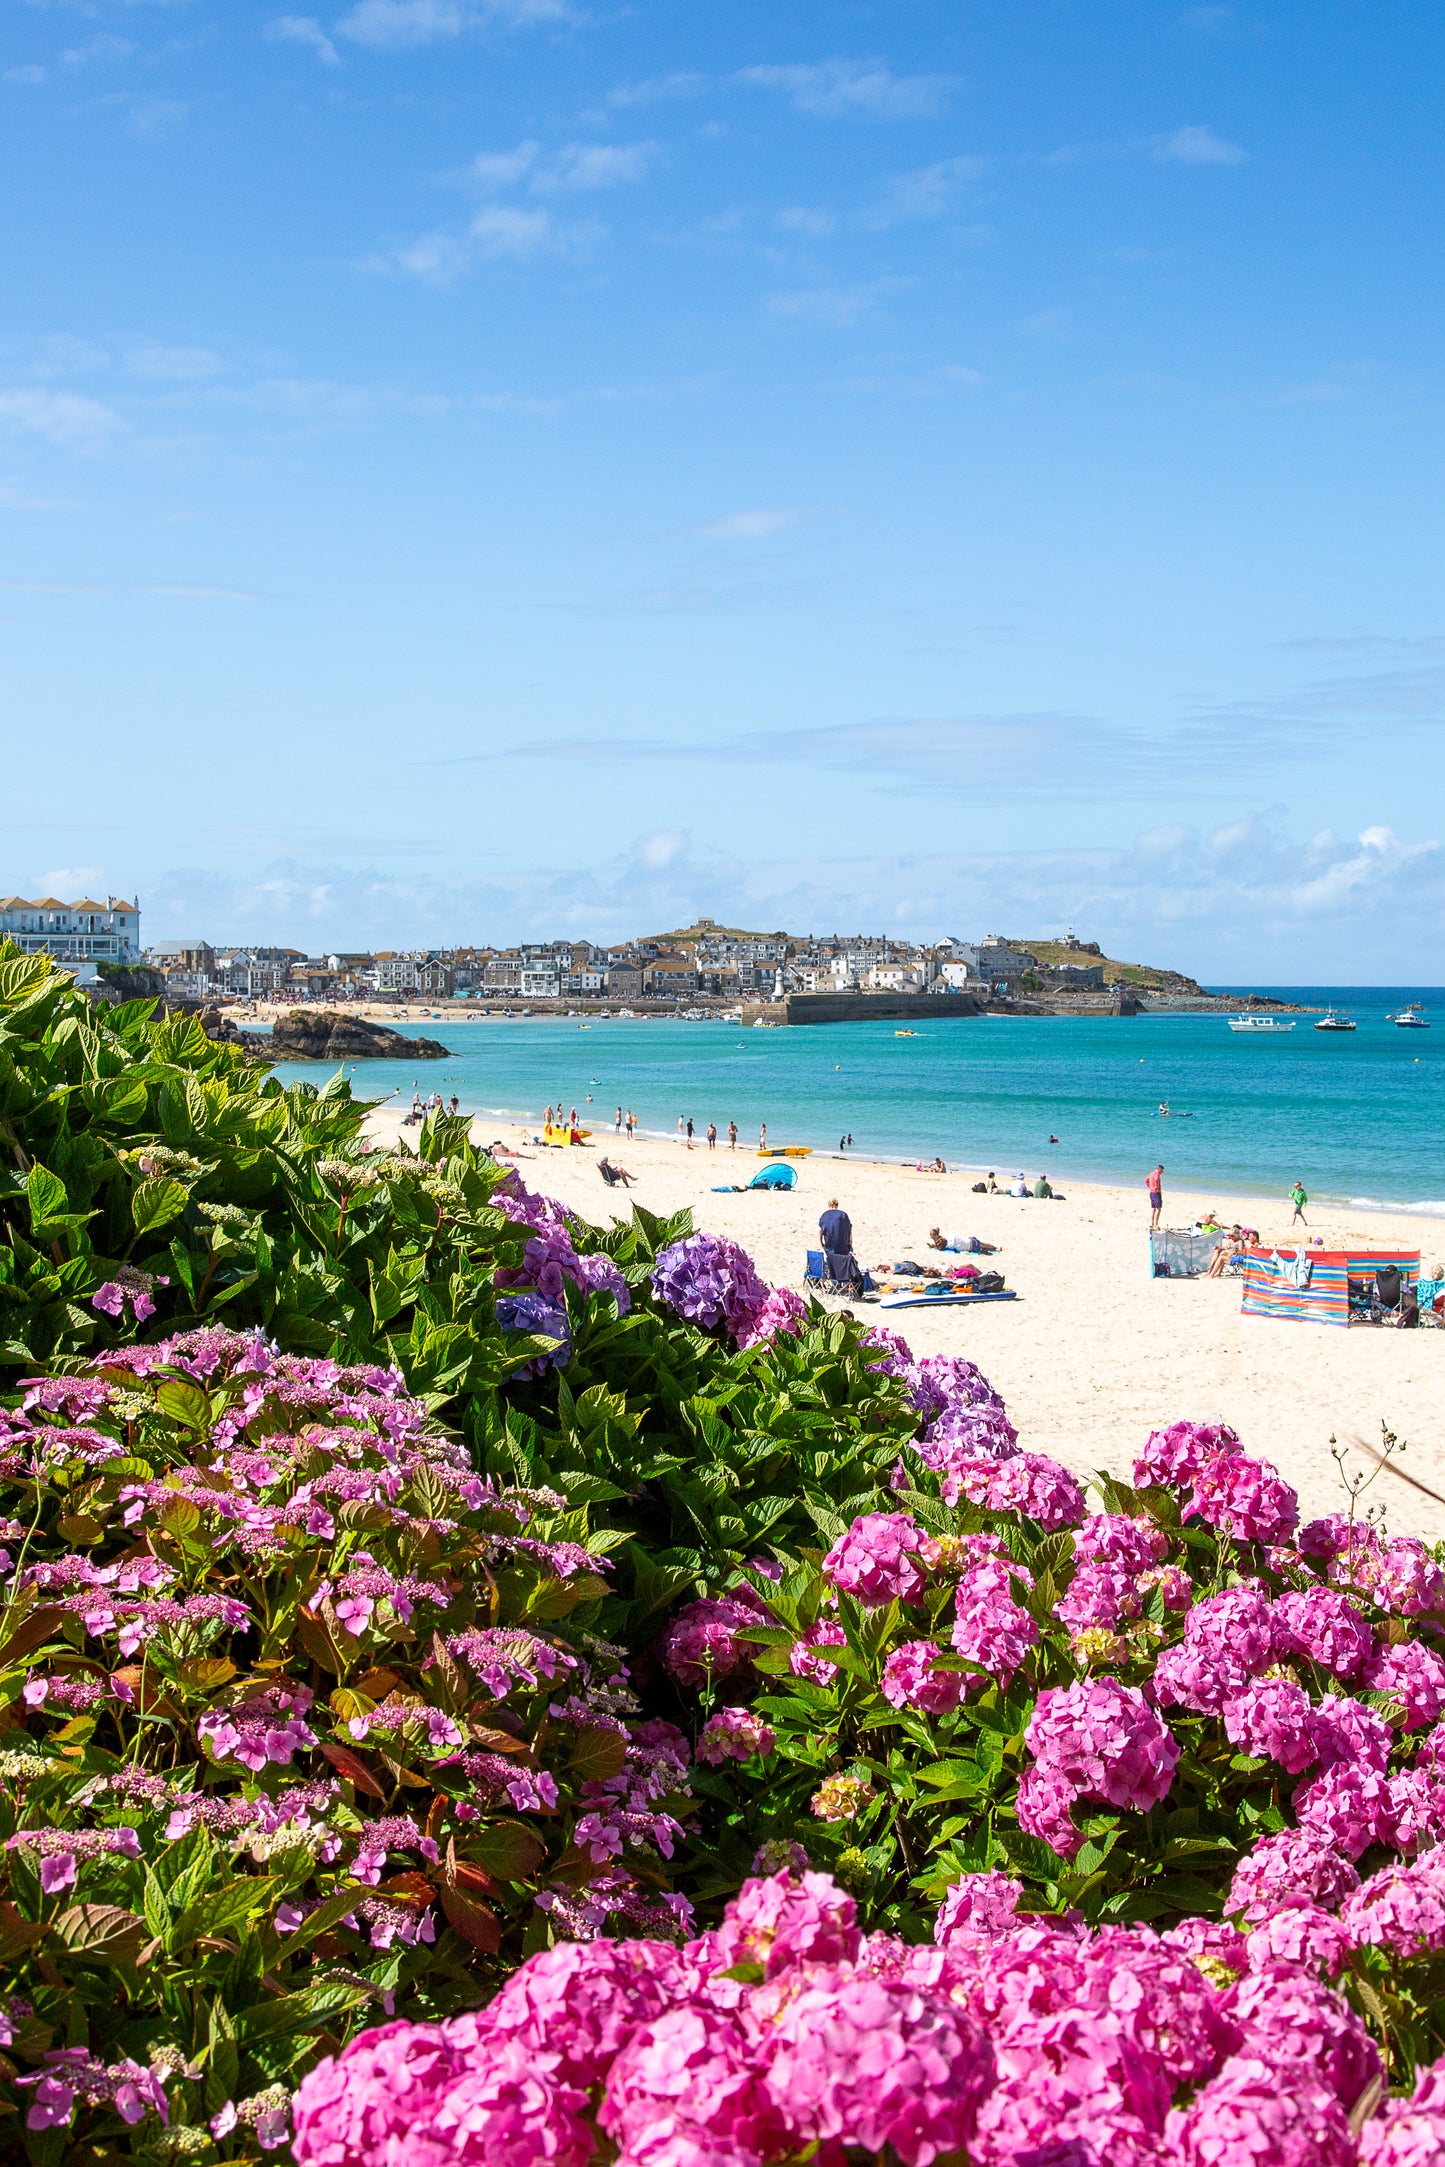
<point x="304" y="1720"/>
<point x="787" y="2035"/>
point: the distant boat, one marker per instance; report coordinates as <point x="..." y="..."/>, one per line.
<point x="1409" y="1018"/>
<point x="1261" y="1023"/>
<point x="906" y="1034"/>
<point x="1334" y="1019"/>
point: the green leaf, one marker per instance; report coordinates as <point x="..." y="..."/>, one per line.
<point x="223" y="1911"/>
<point x="308" y="2012"/>
<point x="45" y="1194"/>
<point x="101" y="1933"/>
<point x="156" y="1203"/>
<point x="507" y="1850"/>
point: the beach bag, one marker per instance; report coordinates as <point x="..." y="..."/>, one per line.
<point x="980" y="1188"/>
<point x="988" y="1283"/>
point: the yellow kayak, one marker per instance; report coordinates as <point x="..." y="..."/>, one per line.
<point x="787" y="1151"/>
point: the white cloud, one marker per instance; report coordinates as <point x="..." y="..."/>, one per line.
<point x="61" y="417"/>
<point x="157" y="118"/>
<point x="658" y="89"/>
<point x="503" y="230"/>
<point x="928" y="192"/>
<point x="501" y="168"/>
<point x="833" y="89"/>
<point x="304" y="30"/>
<point x="661" y="849"/>
<point x="799" y="218"/>
<point x="834" y="308"/>
<point x="1197" y="147"/>
<point x="388" y="25"/>
<point x="101" y="47"/>
<point x="30" y="73"/>
<point x="579" y="167"/>
<point x="749" y="526"/>
<point x="173" y="364"/>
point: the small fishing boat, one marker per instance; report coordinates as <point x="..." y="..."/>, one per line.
<point x="1255" y="1025"/>
<point x="1335" y="1019"/>
<point x="1409" y="1018"/>
<point x="906" y="1034"/>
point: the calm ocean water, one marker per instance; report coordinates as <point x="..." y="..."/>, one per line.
<point x="1357" y="1117"/>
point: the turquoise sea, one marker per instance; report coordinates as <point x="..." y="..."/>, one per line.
<point x="1358" y="1116"/>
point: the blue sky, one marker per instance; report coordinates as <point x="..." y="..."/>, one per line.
<point x="474" y="468"/>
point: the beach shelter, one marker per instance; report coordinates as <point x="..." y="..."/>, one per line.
<point x="1312" y="1286"/>
<point x="778" y="1175"/>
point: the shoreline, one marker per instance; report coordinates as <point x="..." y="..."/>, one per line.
<point x="1094" y="1353"/>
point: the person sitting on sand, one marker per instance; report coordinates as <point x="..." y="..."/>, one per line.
<point x="967" y="1245"/>
<point x="1018" y="1186"/>
<point x="1041" y="1188"/>
<point x="992" y="1186"/>
<point x="612" y="1173"/>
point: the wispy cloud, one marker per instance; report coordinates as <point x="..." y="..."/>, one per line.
<point x="173" y="364"/>
<point x="755" y="526"/>
<point x="834" y="307"/>
<point x="304" y="30"/>
<point x="814" y="225"/>
<point x="864" y="89"/>
<point x="927" y="192"/>
<point x="580" y="167"/>
<point x="65" y="418"/>
<point x="1197" y="146"/>
<point x="658" y="89"/>
<point x="102" y="47"/>
<point x="31" y="73"/>
<point x="391" y="25"/>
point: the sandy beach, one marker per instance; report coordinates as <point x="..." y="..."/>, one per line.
<point x="1094" y="1353"/>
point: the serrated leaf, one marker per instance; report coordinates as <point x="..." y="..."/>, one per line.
<point x="507" y="1850"/>
<point x="101" y="1933"/>
<point x="156" y="1203"/>
<point x="476" y="1923"/>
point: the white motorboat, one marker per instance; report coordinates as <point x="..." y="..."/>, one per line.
<point x="1261" y="1023"/>
<point x="1409" y="1018"/>
<point x="1334" y="1019"/>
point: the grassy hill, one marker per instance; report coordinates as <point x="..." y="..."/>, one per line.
<point x="1146" y="976"/>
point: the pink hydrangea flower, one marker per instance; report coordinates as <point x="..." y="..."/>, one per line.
<point x="1301" y="1935"/>
<point x="877" y="1560"/>
<point x="1417" y="1810"/>
<point x="1346" y="1730"/>
<point x="1075" y="2086"/>
<point x="1298" y="2024"/>
<point x="1414" y="1675"/>
<point x="1401" y="1908"/>
<point x="1176" y="1455"/>
<point x="368" y="2106"/>
<point x="783" y="1311"/>
<point x="1174" y="2013"/>
<point x="911" y="1678"/>
<point x="1030" y="1483"/>
<point x="1275" y="1718"/>
<point x="690" y="2073"/>
<point x="511" y="2108"/>
<point x="978" y="1909"/>
<point x="989" y="1627"/>
<point x="1299" y="1865"/>
<point x="788" y="1919"/>
<point x="1348" y="1804"/>
<point x="1245" y="1498"/>
<point x="702" y="1640"/>
<point x="876" y="2063"/>
<point x="1408" y="1579"/>
<point x="1104" y="1739"/>
<point x="1228" y="1639"/>
<point x="1212" y="1944"/>
<point x="804" y="1662"/>
<point x="1246" y="2117"/>
<point x="1116" y="1538"/>
<point x="580" y="2001"/>
<point x="1044" y="1802"/>
<point x="1409" y="2132"/>
<point x="1327" y="1627"/>
<point x="734" y="1734"/>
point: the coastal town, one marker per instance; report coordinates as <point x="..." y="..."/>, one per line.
<point x="704" y="968"/>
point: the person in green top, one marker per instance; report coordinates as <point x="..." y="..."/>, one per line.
<point x="1299" y="1200"/>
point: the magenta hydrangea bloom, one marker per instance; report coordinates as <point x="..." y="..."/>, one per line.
<point x="690" y="2073"/>
<point x="788" y="1919"/>
<point x="1409" y="2132"/>
<point x="1245" y="1498"/>
<point x="805" y="1662"/>
<point x="1417" y="1810"/>
<point x="1276" y="1718"/>
<point x="580" y="2001"/>
<point x="1296" y="2022"/>
<point x="1246" y="2117"/>
<point x="1116" y="1538"/>
<point x="734" y="1734"/>
<point x="1414" y="1675"/>
<point x="1029" y="1483"/>
<point x="368" y="2106"/>
<point x="978" y="1909"/>
<point x="1303" y="1936"/>
<point x="1104" y="1739"/>
<point x="1408" y="1579"/>
<point x="1214" y="1945"/>
<point x="1172" y="2011"/>
<point x="1075" y="2086"/>
<point x="1349" y="1804"/>
<point x="877" y="1560"/>
<point x="940" y="1382"/>
<point x="1327" y="1627"/>
<point x="895" y="1356"/>
<point x="509" y="2107"/>
<point x="989" y="1627"/>
<point x="783" y="1311"/>
<point x="1401" y="1908"/>
<point x="702" y="1640"/>
<point x="1044" y="1803"/>
<point x="1228" y="1639"/>
<point x="710" y="1280"/>
<point x="911" y="1678"/>
<point x="1176" y="1455"/>
<point x="1299" y="1865"/>
<point x="873" y="2062"/>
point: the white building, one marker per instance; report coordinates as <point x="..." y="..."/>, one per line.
<point x="79" y="935"/>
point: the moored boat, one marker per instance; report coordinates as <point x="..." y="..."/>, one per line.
<point x="1254" y="1024"/>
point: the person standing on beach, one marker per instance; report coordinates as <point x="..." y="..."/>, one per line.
<point x="1299" y="1200"/>
<point x="689" y="1132"/>
<point x="712" y="1136"/>
<point x="630" y="1124"/>
<point x="1154" y="1182"/>
<point x="617" y="1124"/>
<point x="732" y="1136"/>
<point x="762" y="1136"/>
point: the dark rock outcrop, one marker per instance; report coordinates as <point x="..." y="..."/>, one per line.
<point x="306" y="1034"/>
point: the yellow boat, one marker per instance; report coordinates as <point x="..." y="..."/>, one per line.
<point x="907" y="1034"/>
<point x="787" y="1151"/>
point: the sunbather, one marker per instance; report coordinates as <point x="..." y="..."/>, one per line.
<point x="967" y="1245"/>
<point x="612" y="1175"/>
